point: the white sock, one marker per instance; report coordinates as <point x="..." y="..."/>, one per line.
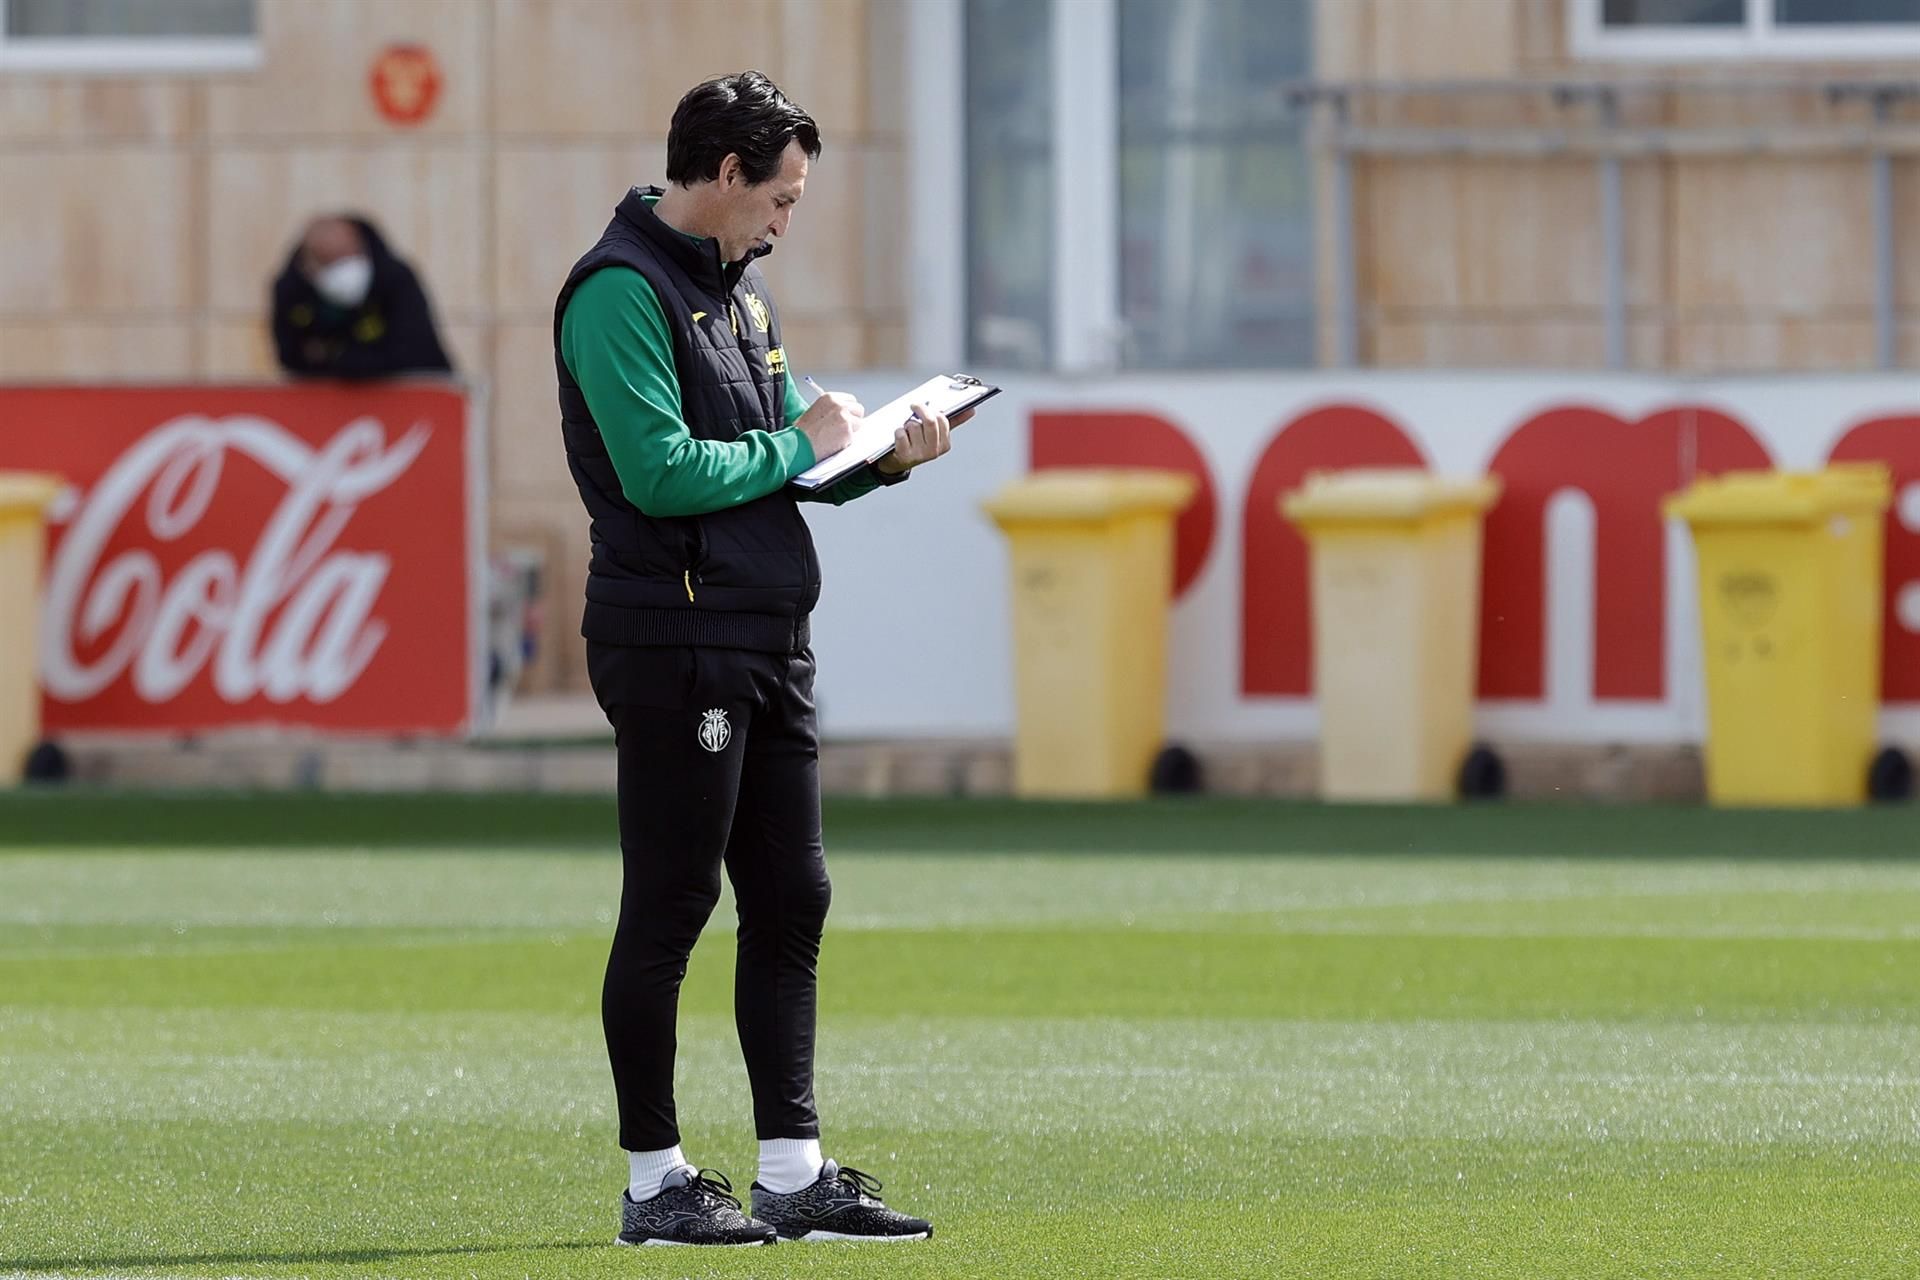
<point x="646" y="1170"/>
<point x="789" y="1164"/>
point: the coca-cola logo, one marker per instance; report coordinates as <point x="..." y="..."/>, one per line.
<point x="291" y="616"/>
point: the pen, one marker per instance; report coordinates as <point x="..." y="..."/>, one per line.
<point x="820" y="391"/>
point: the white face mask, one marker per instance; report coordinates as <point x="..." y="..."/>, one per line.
<point x="344" y="282"/>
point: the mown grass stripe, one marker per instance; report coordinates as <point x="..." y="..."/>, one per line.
<point x="84" y="818"/>
<point x="336" y="1064"/>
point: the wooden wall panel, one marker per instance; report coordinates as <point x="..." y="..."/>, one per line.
<point x="819" y="265"/>
<point x="72" y="242"/>
<point x="1484" y="233"/>
<point x="817" y="341"/>
<point x="599" y="68"/>
<point x="551" y="203"/>
<point x="427" y="199"/>
<point x="528" y="462"/>
<point x="1784" y="344"/>
<point x="94" y="350"/>
<point x="818" y="39"/>
<point x="1906" y="221"/>
<point x="320" y="56"/>
<point x="237" y="349"/>
<point x="1446" y="341"/>
<point x="72" y="109"/>
<point x="1778" y="234"/>
<point x="1441" y="39"/>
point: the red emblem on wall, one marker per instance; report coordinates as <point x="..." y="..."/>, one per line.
<point x="406" y="83"/>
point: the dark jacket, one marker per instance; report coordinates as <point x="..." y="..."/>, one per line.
<point x="745" y="577"/>
<point x="390" y="332"/>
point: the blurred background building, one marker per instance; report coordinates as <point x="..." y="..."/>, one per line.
<point x="1073" y="188"/>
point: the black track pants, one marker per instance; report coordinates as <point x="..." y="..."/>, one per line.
<point x="718" y="762"/>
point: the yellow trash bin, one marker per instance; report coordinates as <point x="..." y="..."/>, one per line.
<point x="1092" y="577"/>
<point x="23" y="502"/>
<point x="1790" y="590"/>
<point x="1396" y="615"/>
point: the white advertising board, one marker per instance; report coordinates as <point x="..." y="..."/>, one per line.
<point x="1589" y="625"/>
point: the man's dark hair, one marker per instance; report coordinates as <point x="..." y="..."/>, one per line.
<point x="744" y="114"/>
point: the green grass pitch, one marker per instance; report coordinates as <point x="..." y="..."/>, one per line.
<point x="355" y="1036"/>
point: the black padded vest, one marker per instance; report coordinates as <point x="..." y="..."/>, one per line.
<point x="742" y="578"/>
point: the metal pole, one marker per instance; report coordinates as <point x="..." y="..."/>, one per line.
<point x="936" y="159"/>
<point x="1346" y="309"/>
<point x="1086" y="186"/>
<point x="1613" y="240"/>
<point x="1885" y="330"/>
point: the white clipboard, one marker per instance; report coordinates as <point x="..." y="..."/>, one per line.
<point x="949" y="394"/>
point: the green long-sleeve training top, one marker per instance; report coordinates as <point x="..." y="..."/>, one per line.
<point x="616" y="343"/>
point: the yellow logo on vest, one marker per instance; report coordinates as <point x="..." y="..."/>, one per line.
<point x="758" y="310"/>
<point x="698" y="316"/>
<point x="776" y="359"/>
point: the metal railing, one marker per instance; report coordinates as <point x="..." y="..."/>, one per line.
<point x="1342" y="119"/>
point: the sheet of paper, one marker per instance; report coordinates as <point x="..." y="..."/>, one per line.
<point x="945" y="394"/>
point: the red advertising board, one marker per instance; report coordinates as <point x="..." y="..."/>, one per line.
<point x="299" y="556"/>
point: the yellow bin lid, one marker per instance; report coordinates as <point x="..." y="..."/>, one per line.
<point x="27" y="491"/>
<point x="1772" y="497"/>
<point x="1371" y="495"/>
<point x="1070" y="494"/>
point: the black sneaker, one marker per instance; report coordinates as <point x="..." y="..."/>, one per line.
<point x="844" y="1204"/>
<point x="692" y="1208"/>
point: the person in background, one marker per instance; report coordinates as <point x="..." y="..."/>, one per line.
<point x="345" y="307"/>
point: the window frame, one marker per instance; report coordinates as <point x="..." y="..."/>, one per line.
<point x="1089" y="324"/>
<point x="107" y="55"/>
<point x="936" y="162"/>
<point x="1759" y="38"/>
<point x="1085" y="278"/>
<point x="1088" y="328"/>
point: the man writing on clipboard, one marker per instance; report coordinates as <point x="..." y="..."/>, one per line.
<point x="683" y="428"/>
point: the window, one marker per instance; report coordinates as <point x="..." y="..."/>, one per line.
<point x="1618" y="15"/>
<point x="1009" y="183"/>
<point x="1813" y="13"/>
<point x="128" y="35"/>
<point x="1216" y="217"/>
<point x="1684" y="29"/>
<point x="1138" y="190"/>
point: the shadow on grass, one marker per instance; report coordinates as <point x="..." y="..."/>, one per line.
<point x="90" y="1262"/>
